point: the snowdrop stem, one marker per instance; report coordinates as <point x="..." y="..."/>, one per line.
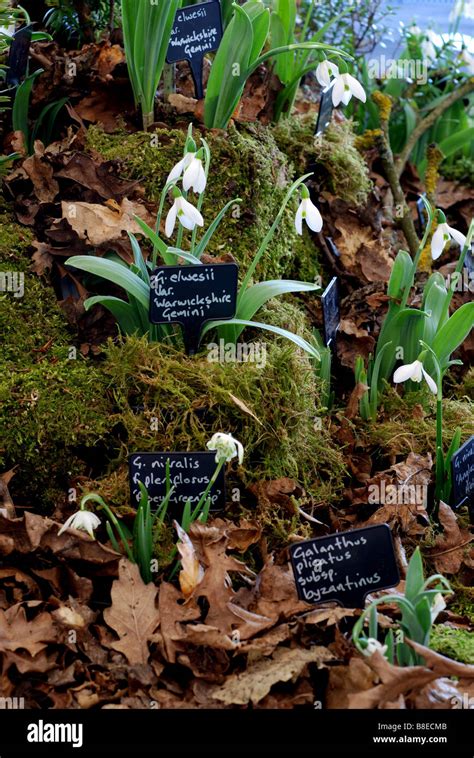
<point x="206" y="492"/>
<point x="159" y="216"/>
<point x="269" y="235"/>
<point x="112" y="518"/>
<point x="417" y="256"/>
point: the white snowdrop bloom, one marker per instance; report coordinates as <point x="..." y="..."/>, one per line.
<point x="324" y="71"/>
<point x="428" y="46"/>
<point x="187" y="215"/>
<point x="194" y="176"/>
<point x="308" y="212"/>
<point x="438" y="606"/>
<point x="344" y="87"/>
<point x="374" y="646"/>
<point x="180" y="167"/>
<point x="226" y="447"/>
<point x="416" y="372"/>
<point x="463" y="8"/>
<point x="441" y="237"/>
<point x="467" y="61"/>
<point x="83" y="520"/>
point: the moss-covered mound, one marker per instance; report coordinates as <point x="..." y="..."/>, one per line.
<point x="454" y="643"/>
<point x="404" y="425"/>
<point x="246" y="163"/>
<point x="53" y="403"/>
<point x="168" y="401"/>
<point x="339" y="166"/>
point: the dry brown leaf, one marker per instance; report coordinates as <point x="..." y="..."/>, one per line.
<point x="454" y="546"/>
<point x="361" y="252"/>
<point x="243" y="407"/>
<point x="98" y="224"/>
<point x="133" y="614"/>
<point x="18" y="633"/>
<point x="344" y="681"/>
<point x="173" y="613"/>
<point x="253" y="684"/>
<point x="356" y="395"/>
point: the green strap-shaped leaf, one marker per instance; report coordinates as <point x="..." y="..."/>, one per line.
<point x="258" y="294"/>
<point x="299" y="341"/>
<point x="453" y="333"/>
<point x="115" y="273"/>
<point x="127" y="318"/>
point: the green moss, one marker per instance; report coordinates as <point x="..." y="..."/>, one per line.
<point x="454" y="643"/>
<point x="339" y="165"/>
<point x="15" y="240"/>
<point x="403" y="426"/>
<point x="246" y="163"/>
<point x="168" y="401"/>
<point x="52" y="415"/>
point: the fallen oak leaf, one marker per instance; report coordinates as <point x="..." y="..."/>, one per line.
<point x="17" y="632"/>
<point x="253" y="684"/>
<point x="133" y="614"/>
<point x="98" y="224"/>
<point x="449" y="552"/>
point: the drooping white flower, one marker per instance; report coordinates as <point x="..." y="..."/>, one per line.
<point x="374" y="646"/>
<point x="416" y="372"/>
<point x="344" y="87"/>
<point x="466" y="60"/>
<point x="324" y="71"/>
<point x="441" y="237"/>
<point x="463" y="8"/>
<point x="439" y="605"/>
<point x="226" y="447"/>
<point x="181" y="166"/>
<point x="194" y="176"/>
<point x="83" y="520"/>
<point x="429" y="46"/>
<point x="187" y="215"/>
<point x="308" y="212"/>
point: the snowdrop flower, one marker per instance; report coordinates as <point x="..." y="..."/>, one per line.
<point x="194" y="176"/>
<point x="83" y="520"/>
<point x="344" y="87"/>
<point x="187" y="215"/>
<point x="428" y="48"/>
<point x="463" y="8"/>
<point x="324" y="71"/>
<point x="226" y="447"/>
<point x="467" y="61"/>
<point x="307" y="211"/>
<point x="438" y="606"/>
<point x="374" y="646"/>
<point x="183" y="164"/>
<point x="442" y="235"/>
<point x="416" y="373"/>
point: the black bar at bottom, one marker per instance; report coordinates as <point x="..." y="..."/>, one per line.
<point x="195" y="732"/>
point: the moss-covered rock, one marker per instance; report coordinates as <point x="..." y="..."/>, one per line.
<point x="454" y="643"/>
<point x="339" y="165"/>
<point x="246" y="163"/>
<point x="54" y="405"/>
<point x="53" y="414"/>
<point x="405" y="426"/>
<point x="168" y="401"/>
